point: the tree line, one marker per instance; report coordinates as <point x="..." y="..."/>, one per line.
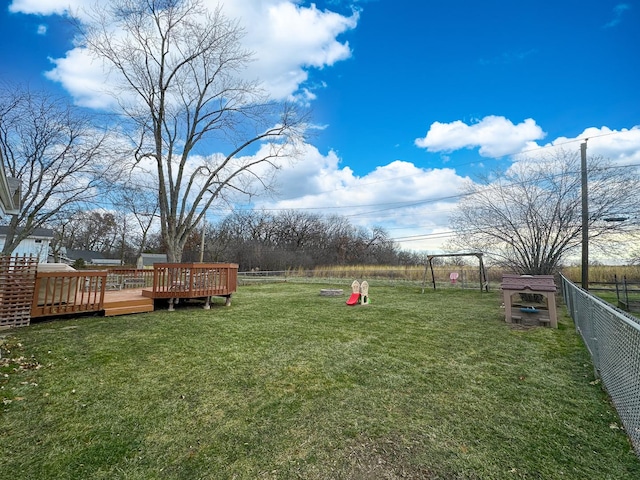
<point x="255" y="239"/>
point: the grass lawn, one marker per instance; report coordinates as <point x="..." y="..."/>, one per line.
<point x="290" y="384"/>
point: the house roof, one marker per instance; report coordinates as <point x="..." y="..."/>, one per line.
<point x="148" y="259"/>
<point x="37" y="233"/>
<point x="86" y="255"/>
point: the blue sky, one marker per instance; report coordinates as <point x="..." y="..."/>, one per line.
<point x="566" y="64"/>
<point x="410" y="97"/>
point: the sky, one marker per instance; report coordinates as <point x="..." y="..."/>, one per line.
<point x="409" y="99"/>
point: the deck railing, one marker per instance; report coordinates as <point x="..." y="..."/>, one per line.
<point x="83" y="291"/>
<point x="194" y="279"/>
<point x="129" y="278"/>
<point x="69" y="292"/>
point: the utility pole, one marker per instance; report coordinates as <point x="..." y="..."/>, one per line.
<point x="585" y="216"/>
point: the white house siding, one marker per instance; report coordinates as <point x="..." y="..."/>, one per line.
<point x="36" y="246"/>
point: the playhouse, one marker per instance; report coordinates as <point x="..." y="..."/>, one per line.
<point x="530" y="299"/>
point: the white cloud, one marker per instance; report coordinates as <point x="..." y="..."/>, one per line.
<point x="620" y="146"/>
<point x="45" y="7"/>
<point x="42" y="30"/>
<point x="319" y="181"/>
<point x="83" y="77"/>
<point x="406" y="200"/>
<point x="287" y="40"/>
<point x="496" y="136"/>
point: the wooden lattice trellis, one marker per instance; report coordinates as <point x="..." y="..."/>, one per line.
<point x="17" y="286"/>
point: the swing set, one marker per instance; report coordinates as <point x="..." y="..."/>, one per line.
<point x="484" y="284"/>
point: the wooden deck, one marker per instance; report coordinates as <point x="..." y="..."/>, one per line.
<point x="60" y="293"/>
<point x="174" y="281"/>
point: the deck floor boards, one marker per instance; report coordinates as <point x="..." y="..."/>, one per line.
<point x="115" y="296"/>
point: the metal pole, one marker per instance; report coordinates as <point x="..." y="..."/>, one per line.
<point x="585" y="217"/>
<point x="433" y="276"/>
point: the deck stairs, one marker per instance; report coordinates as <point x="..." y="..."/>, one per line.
<point x="126" y="306"/>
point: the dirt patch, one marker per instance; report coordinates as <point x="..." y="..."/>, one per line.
<point x="387" y="459"/>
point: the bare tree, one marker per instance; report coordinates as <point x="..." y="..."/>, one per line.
<point x="180" y="69"/>
<point x="90" y="230"/>
<point x="257" y="239"/>
<point x="297" y="231"/>
<point x="141" y="203"/>
<point x="529" y="218"/>
<point x="59" y="156"/>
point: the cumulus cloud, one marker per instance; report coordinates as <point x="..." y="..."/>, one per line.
<point x="42" y="30"/>
<point x="320" y="181"/>
<point x="286" y="38"/>
<point x="411" y="203"/>
<point x="499" y="137"/>
<point x="621" y="146"/>
<point x="83" y="77"/>
<point x="495" y="136"/>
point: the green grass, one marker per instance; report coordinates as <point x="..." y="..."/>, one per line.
<point x="289" y="384"/>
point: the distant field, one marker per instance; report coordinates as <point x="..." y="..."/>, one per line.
<point x="469" y="274"/>
<point x="287" y="384"/>
<point x="603" y="273"/>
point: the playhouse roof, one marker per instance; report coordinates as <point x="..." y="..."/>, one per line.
<point x="533" y="283"/>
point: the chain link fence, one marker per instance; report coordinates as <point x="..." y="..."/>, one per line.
<point x="612" y="336"/>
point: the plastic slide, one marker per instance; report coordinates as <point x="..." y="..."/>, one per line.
<point x="354" y="299"/>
